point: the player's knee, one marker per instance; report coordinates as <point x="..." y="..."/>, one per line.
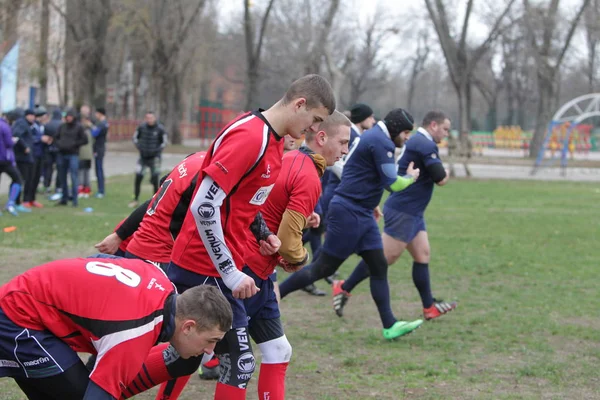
<point x="276" y="351"/>
<point x="423" y="255"/>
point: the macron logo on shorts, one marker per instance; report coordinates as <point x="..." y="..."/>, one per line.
<point x="39" y="361"/>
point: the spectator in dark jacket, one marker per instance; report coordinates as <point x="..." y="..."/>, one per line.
<point x="100" y="134"/>
<point x="51" y="155"/>
<point x="23" y="130"/>
<point x="150" y="138"/>
<point x="38" y="150"/>
<point x="8" y="165"/>
<point x="69" y="139"/>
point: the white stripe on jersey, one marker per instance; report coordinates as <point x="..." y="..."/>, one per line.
<point x="233" y="126"/>
<point x="107" y="342"/>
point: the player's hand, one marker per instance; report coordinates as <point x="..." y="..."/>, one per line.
<point x="412" y="171"/>
<point x="287" y="267"/>
<point x="270" y="246"/>
<point x="377" y="214"/>
<point x="110" y="244"/>
<point x="246" y="289"/>
<point x="313" y="220"/>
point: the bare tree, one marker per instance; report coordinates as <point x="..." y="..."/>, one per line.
<point x="167" y="27"/>
<point x="43" y="55"/>
<point x="253" y="51"/>
<point x="548" y="54"/>
<point x="317" y="52"/>
<point x="460" y="57"/>
<point x="417" y="64"/>
<point x="368" y="70"/>
<point x="489" y="85"/>
<point x="592" y="36"/>
<point x="87" y="22"/>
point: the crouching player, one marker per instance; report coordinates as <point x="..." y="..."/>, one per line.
<point x="115" y="308"/>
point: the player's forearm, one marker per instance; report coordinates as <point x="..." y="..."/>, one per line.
<point x="290" y="235"/>
<point x="132" y="223"/>
<point x="206" y="209"/>
<point x="401" y="183"/>
<point x="95" y="392"/>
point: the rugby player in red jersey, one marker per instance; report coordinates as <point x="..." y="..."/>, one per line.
<point x="115" y="308"/>
<point x="239" y="172"/>
<point x="287" y="211"/>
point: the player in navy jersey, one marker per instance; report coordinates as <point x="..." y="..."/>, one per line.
<point x="351" y="224"/>
<point x="116" y="308"/>
<point x="403" y="215"/>
<point x="361" y="118"/>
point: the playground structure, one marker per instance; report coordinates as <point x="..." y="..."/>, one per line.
<point x="565" y="129"/>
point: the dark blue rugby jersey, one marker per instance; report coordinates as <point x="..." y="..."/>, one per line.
<point x="369" y="169"/>
<point x="424" y="152"/>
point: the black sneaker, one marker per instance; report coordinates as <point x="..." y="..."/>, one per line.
<point x="313" y="290"/>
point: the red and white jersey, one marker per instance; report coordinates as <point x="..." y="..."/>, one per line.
<point x="162" y="222"/>
<point x="298" y="189"/>
<point x="112" y="307"/>
<point x="244" y="160"/>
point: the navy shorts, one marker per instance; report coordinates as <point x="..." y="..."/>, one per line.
<point x="29" y="353"/>
<point x="273" y="276"/>
<point x="262" y="305"/>
<point x="402" y="226"/>
<point x="350" y="230"/>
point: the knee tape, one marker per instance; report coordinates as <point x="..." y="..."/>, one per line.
<point x="276" y="351"/>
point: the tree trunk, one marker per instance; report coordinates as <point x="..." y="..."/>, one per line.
<point x="491" y="120"/>
<point x="252" y="89"/>
<point x="99" y="99"/>
<point x="543" y="114"/>
<point x="411" y="91"/>
<point x="172" y="119"/>
<point x="464" y="121"/>
<point x="43" y="56"/>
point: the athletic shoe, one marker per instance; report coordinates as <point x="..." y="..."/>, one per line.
<point x="55" y="197"/>
<point x="22" y="209"/>
<point x="401" y="328"/>
<point x="99" y="195"/>
<point x="313" y="290"/>
<point x="340" y="298"/>
<point x="12" y="210"/>
<point x="133" y="204"/>
<point x="209" y="370"/>
<point x="438" y="308"/>
<point x="330" y="279"/>
<point x="36" y="204"/>
<point x="27" y="204"/>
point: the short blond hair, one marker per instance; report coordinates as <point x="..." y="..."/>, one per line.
<point x="334" y="120"/>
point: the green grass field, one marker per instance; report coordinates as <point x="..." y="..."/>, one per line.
<point x="521" y="258"/>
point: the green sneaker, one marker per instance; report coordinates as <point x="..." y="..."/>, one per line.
<point x="401" y="328"/>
